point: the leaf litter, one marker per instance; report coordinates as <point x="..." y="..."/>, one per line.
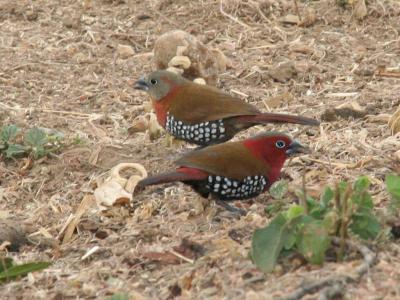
<point x="64" y="73"/>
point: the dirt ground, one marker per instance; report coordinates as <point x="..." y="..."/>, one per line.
<point x="59" y="69"/>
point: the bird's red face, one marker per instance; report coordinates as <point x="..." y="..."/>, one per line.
<point x="274" y="149"/>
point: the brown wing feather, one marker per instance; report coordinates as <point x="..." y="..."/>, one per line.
<point x="195" y="103"/>
<point x="231" y="160"/>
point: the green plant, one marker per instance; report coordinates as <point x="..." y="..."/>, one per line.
<point x="393" y="187"/>
<point x="36" y="142"/>
<point x="308" y="229"/>
<point x="10" y="271"/>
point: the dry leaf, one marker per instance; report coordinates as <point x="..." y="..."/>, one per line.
<point x="278" y="100"/>
<point x="145" y="211"/>
<point x="360" y="10"/>
<point x="155" y="130"/>
<point x="180" y="62"/>
<point x="117" y="190"/>
<point x="309" y="18"/>
<point x="87" y="202"/>
<point x="162" y="257"/>
<point x="139" y="124"/>
<point x="125" y="51"/>
<point x="283" y="72"/>
<point x="301" y="48"/>
<point x="394" y="122"/>
<point x="111" y="193"/>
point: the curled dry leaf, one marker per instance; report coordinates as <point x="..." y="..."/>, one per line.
<point x="155" y="130"/>
<point x="180" y="61"/>
<point x="394" y="122"/>
<point x="200" y="81"/>
<point x="147" y="122"/>
<point x="117" y="189"/>
<point x="175" y="70"/>
<point x="139" y="124"/>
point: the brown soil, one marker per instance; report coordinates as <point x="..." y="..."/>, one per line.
<point x="59" y="69"/>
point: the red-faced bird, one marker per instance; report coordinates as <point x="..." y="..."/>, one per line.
<point x="232" y="170"/>
<point x="202" y="114"/>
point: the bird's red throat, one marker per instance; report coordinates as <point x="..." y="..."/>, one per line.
<point x="161" y="106"/>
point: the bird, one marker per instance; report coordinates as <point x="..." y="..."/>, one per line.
<point x="232" y="170"/>
<point x="202" y="114"/>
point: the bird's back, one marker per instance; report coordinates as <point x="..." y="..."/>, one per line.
<point x="231" y="160"/>
<point x="195" y="103"/>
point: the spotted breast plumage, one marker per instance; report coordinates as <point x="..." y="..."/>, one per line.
<point x="232" y="170"/>
<point x="229" y="189"/>
<point x="201" y="133"/>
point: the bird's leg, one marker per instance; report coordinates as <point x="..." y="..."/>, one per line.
<point x="230" y="208"/>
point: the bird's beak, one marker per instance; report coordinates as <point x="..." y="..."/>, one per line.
<point x="295" y="147"/>
<point x="141" y="84"/>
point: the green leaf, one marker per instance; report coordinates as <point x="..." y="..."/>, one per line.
<point x="326" y="197"/>
<point x="294" y="211"/>
<point x="8" y="133"/>
<point x="364" y="200"/>
<point x="274" y="208"/>
<point x="365" y="224"/>
<point x="361" y="184"/>
<point x="5" y="263"/>
<point x="120" y="296"/>
<point x="267" y="243"/>
<point x="279" y="189"/>
<point x="36" y="137"/>
<point x="38" y="151"/>
<point x="313" y="241"/>
<point x="330" y="221"/>
<point x="360" y="195"/>
<point x="393" y="186"/>
<point x="15" y="150"/>
<point x="22" y="270"/>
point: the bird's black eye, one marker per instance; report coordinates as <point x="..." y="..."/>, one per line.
<point x="280" y="144"/>
<point x="153" y="81"/>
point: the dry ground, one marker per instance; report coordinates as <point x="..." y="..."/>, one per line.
<point x="59" y="69"/>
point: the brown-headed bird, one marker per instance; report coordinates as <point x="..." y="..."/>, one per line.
<point x="232" y="170"/>
<point x="202" y="114"/>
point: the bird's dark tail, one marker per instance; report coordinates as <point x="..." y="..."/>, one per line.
<point x="278" y="118"/>
<point x="181" y="174"/>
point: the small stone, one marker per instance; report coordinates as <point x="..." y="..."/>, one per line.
<point x="290" y="19"/>
<point x="283" y="72"/>
<point x="200" y="81"/>
<point x="125" y="51"/>
<point x="32" y="15"/>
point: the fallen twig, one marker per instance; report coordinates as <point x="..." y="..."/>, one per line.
<point x="221" y="10"/>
